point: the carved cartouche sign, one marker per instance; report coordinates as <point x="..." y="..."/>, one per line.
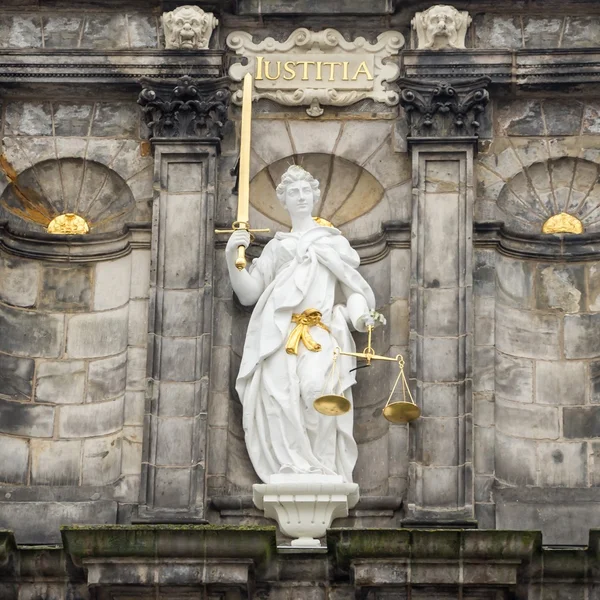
<point x="318" y="68"/>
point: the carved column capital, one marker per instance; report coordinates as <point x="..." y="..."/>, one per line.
<point x="444" y="110"/>
<point x="186" y="109"/>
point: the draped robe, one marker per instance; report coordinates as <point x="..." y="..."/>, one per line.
<point x="284" y="433"/>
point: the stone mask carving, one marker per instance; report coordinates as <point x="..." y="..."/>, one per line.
<point x="188" y="28"/>
<point x="441" y="26"/>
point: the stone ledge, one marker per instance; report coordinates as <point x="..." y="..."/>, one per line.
<point x="75" y="248"/>
<point x="527" y="69"/>
<point x="486" y="234"/>
<point x="240" y="556"/>
<point x="124" y="67"/>
<point x="169" y="541"/>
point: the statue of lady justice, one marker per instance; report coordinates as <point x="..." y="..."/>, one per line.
<point x="295" y="327"/>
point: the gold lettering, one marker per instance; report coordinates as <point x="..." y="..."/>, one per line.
<point x="364" y="69"/>
<point x="332" y="66"/>
<point x="267" y="65"/>
<point x="345" y="71"/>
<point x="288" y="67"/>
<point x="305" y="64"/>
<point x="319" y="76"/>
<point x="259" y="67"/>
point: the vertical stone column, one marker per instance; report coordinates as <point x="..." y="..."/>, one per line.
<point x="443" y="125"/>
<point x="186" y="141"/>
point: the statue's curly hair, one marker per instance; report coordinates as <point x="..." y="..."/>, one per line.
<point x="293" y="174"/>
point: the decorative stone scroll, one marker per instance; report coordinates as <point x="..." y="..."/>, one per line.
<point x="188" y="28"/>
<point x="444" y="110"/>
<point x="187" y="109"/>
<point x="318" y="68"/>
<point x="441" y="26"/>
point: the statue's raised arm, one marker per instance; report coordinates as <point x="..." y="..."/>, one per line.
<point x="293" y="332"/>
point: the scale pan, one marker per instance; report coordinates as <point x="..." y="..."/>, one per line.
<point x="401" y="412"/>
<point x="332" y="405"/>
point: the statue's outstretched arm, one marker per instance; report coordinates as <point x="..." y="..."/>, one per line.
<point x="247" y="287"/>
<point x="358" y="309"/>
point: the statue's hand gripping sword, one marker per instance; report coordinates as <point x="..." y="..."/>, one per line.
<point x="244" y="175"/>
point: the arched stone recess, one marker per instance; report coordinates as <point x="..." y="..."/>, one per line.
<point x="545" y="189"/>
<point x="365" y="182"/>
<point x="369" y="145"/>
<point x="107" y="182"/>
<point x="73" y="316"/>
<point x="507" y="157"/>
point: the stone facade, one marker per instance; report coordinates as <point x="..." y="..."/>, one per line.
<point x="119" y="348"/>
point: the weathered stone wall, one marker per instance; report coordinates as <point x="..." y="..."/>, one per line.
<point x="535" y="31"/>
<point x="95" y="29"/>
<point x="73" y="339"/>
<point x="73" y="318"/>
<point x="535" y="401"/>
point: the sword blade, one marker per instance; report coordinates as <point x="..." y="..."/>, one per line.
<point x="244" y="168"/>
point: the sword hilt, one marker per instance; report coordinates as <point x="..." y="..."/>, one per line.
<point x="240" y="261"/>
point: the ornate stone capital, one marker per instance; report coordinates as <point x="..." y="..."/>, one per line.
<point x="441" y="26"/>
<point x="188" y="28"/>
<point x="187" y="109"/>
<point x="444" y="110"/>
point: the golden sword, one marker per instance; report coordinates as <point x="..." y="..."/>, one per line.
<point x="244" y="175"/>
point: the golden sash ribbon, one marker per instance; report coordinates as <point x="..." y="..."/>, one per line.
<point x="311" y="317"/>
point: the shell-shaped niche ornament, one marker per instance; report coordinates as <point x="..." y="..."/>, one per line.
<point x="563" y="223"/>
<point x="347" y="190"/>
<point x="552" y="197"/>
<point x="67" y="196"/>
<point x="68" y="224"/>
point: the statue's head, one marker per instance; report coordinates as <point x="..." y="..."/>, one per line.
<point x="188" y="28"/>
<point x="441" y="26"/>
<point x="298" y="191"/>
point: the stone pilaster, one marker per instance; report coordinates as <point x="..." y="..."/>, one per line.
<point x="443" y="121"/>
<point x="180" y="325"/>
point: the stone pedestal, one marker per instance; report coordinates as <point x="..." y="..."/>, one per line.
<point x="305" y="505"/>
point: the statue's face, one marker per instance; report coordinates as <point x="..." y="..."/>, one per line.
<point x="441" y="22"/>
<point x="188" y="27"/>
<point x="299" y="199"/>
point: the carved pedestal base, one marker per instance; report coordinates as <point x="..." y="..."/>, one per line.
<point x="305" y="505"/>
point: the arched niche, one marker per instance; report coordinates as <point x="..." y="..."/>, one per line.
<point x="66" y="185"/>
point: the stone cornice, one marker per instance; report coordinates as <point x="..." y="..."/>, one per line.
<point x="124" y="67"/>
<point x="521" y="69"/>
<point x="75" y="248"/>
<point x="373" y="558"/>
<point x="551" y="248"/>
<point x="152" y="542"/>
<point x="486" y="234"/>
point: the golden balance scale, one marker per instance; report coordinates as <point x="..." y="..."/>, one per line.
<point x="333" y="405"/>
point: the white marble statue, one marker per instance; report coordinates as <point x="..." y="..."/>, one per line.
<point x="188" y="28"/>
<point x="312" y="268"/>
<point x="441" y="26"/>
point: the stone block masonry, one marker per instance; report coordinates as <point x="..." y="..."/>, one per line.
<point x="65" y="382"/>
<point x="545" y="417"/>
